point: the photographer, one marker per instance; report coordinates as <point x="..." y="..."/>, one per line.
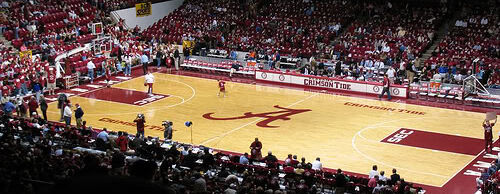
<point x="167" y="133"/>
<point x="139" y="120"/>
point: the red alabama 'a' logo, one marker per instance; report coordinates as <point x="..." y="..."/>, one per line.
<point x="283" y="114"/>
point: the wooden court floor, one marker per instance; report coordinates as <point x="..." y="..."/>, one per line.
<point x="345" y="132"/>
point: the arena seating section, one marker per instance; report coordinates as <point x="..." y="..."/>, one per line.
<point x="274" y="27"/>
<point x="61" y="152"/>
<point x="296" y="28"/>
<point x="52" y="28"/>
<point x="457" y="48"/>
<point x="406" y="32"/>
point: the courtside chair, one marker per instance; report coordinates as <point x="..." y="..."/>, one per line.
<point x="441" y="97"/>
<point x="432" y="95"/>
<point x="450" y="98"/>
<point x="459" y="98"/>
<point x="423" y="91"/>
<point x="414" y="88"/>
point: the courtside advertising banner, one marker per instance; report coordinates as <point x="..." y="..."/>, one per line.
<point x="329" y="83"/>
<point x="143" y="9"/>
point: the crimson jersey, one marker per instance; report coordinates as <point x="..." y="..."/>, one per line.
<point x="222" y="85"/>
<point x="488" y="133"/>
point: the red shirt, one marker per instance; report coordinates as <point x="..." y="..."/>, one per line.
<point x="221" y="84"/>
<point x="33" y="105"/>
<point x="488" y="128"/>
<point x="122" y="142"/>
<point x="140" y="124"/>
<point x="43" y="81"/>
<point x="6" y="90"/>
<point x="17" y="83"/>
<point x="372" y="183"/>
<point x="386" y="82"/>
<point x="52" y="77"/>
<point x="488" y="132"/>
<point x="289" y="169"/>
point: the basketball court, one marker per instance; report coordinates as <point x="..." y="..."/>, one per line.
<point x="427" y="145"/>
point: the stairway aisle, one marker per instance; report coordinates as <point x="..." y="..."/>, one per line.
<point x="441" y="34"/>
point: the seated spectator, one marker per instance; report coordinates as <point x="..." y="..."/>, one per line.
<point x="270" y="160"/>
<point x="316" y="165"/>
<point x="244" y="159"/>
<point x="394" y="177"/>
<point x="372" y="183"/>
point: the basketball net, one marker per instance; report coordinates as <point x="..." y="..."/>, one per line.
<point x="472" y="86"/>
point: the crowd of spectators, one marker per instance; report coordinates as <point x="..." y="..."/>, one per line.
<point x="389" y="38"/>
<point x="260" y="26"/>
<point x="37" y="156"/>
<point x="473" y="39"/>
<point x="489" y="180"/>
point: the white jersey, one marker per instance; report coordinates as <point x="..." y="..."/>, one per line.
<point x="150" y="78"/>
<point x="90" y="65"/>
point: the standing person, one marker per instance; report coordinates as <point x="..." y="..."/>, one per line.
<point x="78" y="115"/>
<point x="51" y="81"/>
<point x="37" y="89"/>
<point x="67" y="114"/>
<point x="32" y="106"/>
<point x="22" y="107"/>
<point x="61" y="102"/>
<point x="488" y="135"/>
<point x="340" y="182"/>
<point x="222" y="87"/>
<point x="168" y="61"/>
<point x="9" y="107"/>
<point x="159" y="56"/>
<point x="118" y="65"/>
<point x="128" y="65"/>
<point x="167" y="133"/>
<point x="390" y="74"/>
<point x="43" y="84"/>
<point x="177" y="58"/>
<point x="108" y="75"/>
<point x="90" y="68"/>
<point x="140" y="120"/>
<point x="149" y="79"/>
<point x="43" y="107"/>
<point x="255" y="149"/>
<point x="386" y="83"/>
<point x="144" y="61"/>
<point x="394" y="177"/>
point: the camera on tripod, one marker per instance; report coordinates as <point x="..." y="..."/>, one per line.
<point x="166" y="123"/>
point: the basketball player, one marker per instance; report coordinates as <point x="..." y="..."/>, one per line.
<point x="222" y="87"/>
<point x="488" y="135"/>
<point x="149" y="79"/>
